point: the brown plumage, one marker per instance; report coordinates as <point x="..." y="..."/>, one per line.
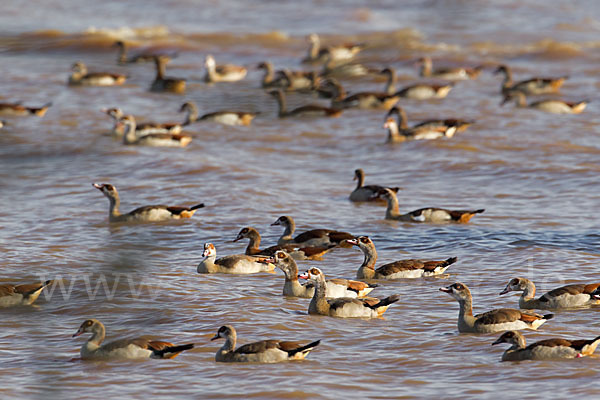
<point x="19" y="110"/>
<point x="547" y="349"/>
<point x="428" y="214"/>
<point x="297" y="252"/>
<point x="307" y="110"/>
<point x="313" y="237"/>
<point x="25" y="294"/>
<point x="536" y="85"/>
<point x="264" y="351"/>
<point x="395" y="270"/>
<point x="163" y="83"/>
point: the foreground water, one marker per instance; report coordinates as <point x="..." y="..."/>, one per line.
<point x="535" y="174"/>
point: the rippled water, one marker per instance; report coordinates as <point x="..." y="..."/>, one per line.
<point x="536" y="175"/>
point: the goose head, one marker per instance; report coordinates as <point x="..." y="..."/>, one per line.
<point x="114" y="112"/>
<point x="209" y="250"/>
<point x="79" y="68"/>
<point x="107" y="189"/>
<point x="511" y="337"/>
<point x="358" y="174"/>
<point x="246" y="232"/>
<point x="284" y="262"/>
<point x="283" y="220"/>
<point x="209" y="61"/>
<point x="458" y="290"/>
<point x="385" y="193"/>
<point x="90" y="325"/>
<point x="313" y="274"/>
<point x="224" y="332"/>
<point x="515" y="285"/>
<point x="362" y="242"/>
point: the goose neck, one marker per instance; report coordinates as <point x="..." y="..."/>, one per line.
<point x="393" y="210"/>
<point x="319" y="302"/>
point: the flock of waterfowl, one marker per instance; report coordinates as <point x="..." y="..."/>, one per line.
<point x="336" y="297"/>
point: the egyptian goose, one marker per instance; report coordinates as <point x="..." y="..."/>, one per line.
<point x="362" y="100"/>
<point x="122" y="58"/>
<point x="141" y="129"/>
<point x="142" y="214"/>
<point x="343" y="307"/>
<point x="14" y="295"/>
<point x="151" y="139"/>
<point x="225" y="117"/>
<point x="233" y="264"/>
<point x="163" y="83"/>
<point x="272" y="78"/>
<point x="398" y="269"/>
<point x="129" y="349"/>
<point x="399" y="131"/>
<point x="430" y="214"/>
<point x="318" y="54"/>
<point x="547" y="349"/>
<point x="451" y="74"/>
<point x="265" y="351"/>
<point x="299" y="253"/>
<point x="425" y="91"/>
<point x="365" y="193"/>
<point x="390" y="86"/>
<point x="553" y="106"/>
<point x="535" y="85"/>
<point x="330" y="88"/>
<point x="452" y="125"/>
<point x="302" y="111"/>
<point x="301" y="80"/>
<point x="335" y="287"/>
<point x="81" y="77"/>
<point x="313" y="237"/>
<point x="498" y="320"/>
<point x="224" y="72"/>
<point x="562" y="297"/>
<point x="409" y="268"/>
<point x="460" y="125"/>
<point x="19" y="110"/>
<point x="288" y="80"/>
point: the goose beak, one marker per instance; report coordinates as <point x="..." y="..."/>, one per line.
<point x="239" y="237"/>
<point x="352" y="241"/>
<point x="79" y="332"/>
<point x="215" y="337"/>
<point x="498" y="341"/>
<point x="269" y="260"/>
<point x="303" y="275"/>
<point x="445" y="290"/>
<point x="506" y="290"/>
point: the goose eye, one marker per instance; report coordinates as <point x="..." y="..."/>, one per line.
<point x="364" y="239"/>
<point x="458" y="286"/>
<point x="245" y="230"/>
<point x="109" y="187"/>
<point x="514" y="282"/>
